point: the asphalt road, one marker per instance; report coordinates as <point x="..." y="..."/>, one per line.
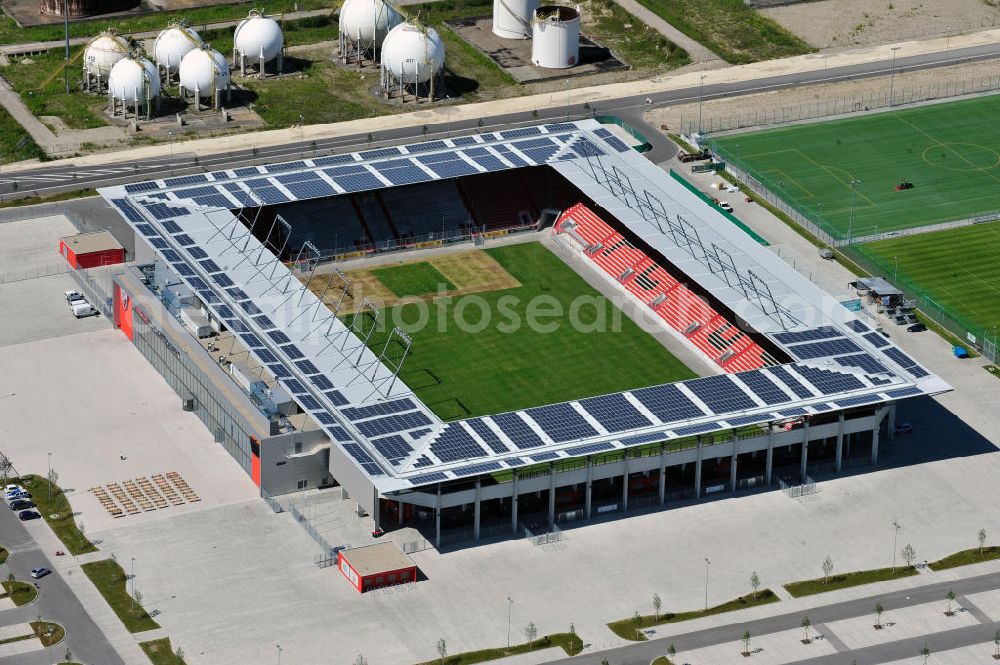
<point x="55" y="602"/>
<point x="47" y="180"/>
<point x="641" y="653"/>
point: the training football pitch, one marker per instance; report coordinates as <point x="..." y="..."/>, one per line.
<point x="950" y="152"/>
<point x="959" y="269"/>
<point x="476" y="354"/>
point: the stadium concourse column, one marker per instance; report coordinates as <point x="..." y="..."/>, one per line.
<point x="476" y="510"/>
<point x="840" y="441"/>
<point x="733" y="462"/>
<point x="769" y="463"/>
<point x="663" y="473"/>
<point x="513" y="506"/>
<point x="625" y="483"/>
<point x="875" y="432"/>
<point x="804" y="464"/>
<point x="437" y="519"/>
<point x="588" y="492"/>
<point x="697" y="471"/>
<point x="552" y="493"/>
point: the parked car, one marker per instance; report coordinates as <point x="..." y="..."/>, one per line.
<point x="83" y="309"/>
<point x="21" y="504"/>
<point x="39" y="572"/>
<point x="13" y="488"/>
<point x="26" y="515"/>
<point x="903" y="428"/>
<point x="11" y="495"/>
<point x="73" y="297"/>
<point x="917" y="327"/>
<point x="725" y="206"/>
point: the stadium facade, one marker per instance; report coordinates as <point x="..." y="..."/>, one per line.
<point x="802" y="385"/>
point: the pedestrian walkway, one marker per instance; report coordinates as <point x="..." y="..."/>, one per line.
<point x="697" y="52"/>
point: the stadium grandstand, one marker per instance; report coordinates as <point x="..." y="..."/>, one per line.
<point x="799" y="385"/>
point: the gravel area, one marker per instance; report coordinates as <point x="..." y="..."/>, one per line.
<point x="807" y="101"/>
<point x="843" y="23"/>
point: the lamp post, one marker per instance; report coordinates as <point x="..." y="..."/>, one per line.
<point x="278" y="649"/>
<point x="132" y="580"/>
<point x="707" y="562"/>
<point x="302" y="136"/>
<point x="895" y="269"/>
<point x="850" y="223"/>
<point x="170" y="137"/>
<point x="895" y="535"/>
<point x="892" y="75"/>
<point x="510" y="603"/>
<point x="701" y="99"/>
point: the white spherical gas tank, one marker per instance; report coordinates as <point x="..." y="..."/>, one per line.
<point x="133" y="80"/>
<point x="413" y="53"/>
<point x="103" y="52"/>
<point x="368" y="21"/>
<point x="204" y="70"/>
<point x="173" y="44"/>
<point x="258" y="36"/>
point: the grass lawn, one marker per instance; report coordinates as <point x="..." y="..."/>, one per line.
<point x="965" y="557"/>
<point x="845" y="580"/>
<point x="51" y="502"/>
<point x="4" y="553"/>
<point x="948" y="151"/>
<point x="48" y="633"/>
<point x="639" y="45"/>
<point x="413" y="279"/>
<point x="196" y="17"/>
<point x="160" y="653"/>
<point x="21" y="593"/>
<point x="500" y="363"/>
<point x="570" y="643"/>
<point x="11" y="132"/>
<point x="109" y="578"/>
<point x="628" y="628"/>
<point x="958" y="269"/>
<point x="77" y="109"/>
<point x="735" y="32"/>
<point x="662" y="660"/>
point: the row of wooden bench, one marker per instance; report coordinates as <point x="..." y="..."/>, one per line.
<point x="132" y="497"/>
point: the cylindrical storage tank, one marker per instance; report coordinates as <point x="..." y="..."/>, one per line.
<point x="555" y="38"/>
<point x="134" y="80"/>
<point x="103" y="52"/>
<point x="173" y="44"/>
<point x="76" y="7"/>
<point x="413" y="53"/>
<point x="367" y="22"/>
<point x="512" y="18"/>
<point x="204" y="70"/>
<point x="258" y="37"/>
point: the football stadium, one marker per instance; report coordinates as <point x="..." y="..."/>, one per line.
<point x="497" y="334"/>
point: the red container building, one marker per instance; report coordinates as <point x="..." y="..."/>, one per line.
<point x="378" y="565"/>
<point x="89" y="250"/>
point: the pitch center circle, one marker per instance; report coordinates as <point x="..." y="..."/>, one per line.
<point x="962" y="157"/>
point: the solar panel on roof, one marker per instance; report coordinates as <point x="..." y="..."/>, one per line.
<point x="358" y="182"/>
<point x="401" y="172"/>
<point x="487" y="435"/>
<point x="292" y="352"/>
<point x="540" y="155"/>
<point x="209" y="265"/>
<point x="876" y="340"/>
<point x="302" y="176"/>
<point x="269" y="194"/>
<point x="171" y="255"/>
<point x="652" y="437"/>
<point x="172" y="227"/>
<point x="821" y="407"/>
<point x="590" y="448"/>
<point x="917" y="372"/>
<point x="380" y="152"/>
<point x="561" y="422"/>
<point x="222" y="280"/>
<point x="334" y="159"/>
<point x="823" y="332"/>
<point x="454" y="444"/>
<point x="518" y="431"/>
<point x="183" y="239"/>
<point x="696" y="429"/>
<point x="464" y="140"/>
<point x="158" y="243"/>
<point x="244" y="172"/>
<point x="308" y="402"/>
<point x="857" y="401"/>
<point x="339" y="433"/>
<point x="185" y="180"/>
<point x="220" y="175"/>
<point x="455" y="168"/>
<point x="266" y="356"/>
<point x="738" y="421"/>
<point x="864" y="361"/>
<point x="824" y="349"/>
<point x="509" y="155"/>
<point x="393" y="448"/>
<point x="899" y="357"/>
<point x="667" y="403"/>
<point x="520" y="133"/>
<point x="336" y="397"/>
<point x="286" y="166"/>
<point x="909" y="391"/>
<point x="794" y="384"/>
<point x="763" y="387"/>
<point x="392" y="424"/>
<point x="585" y="148"/>
<point x="513" y="462"/>
<point x="191" y="192"/>
<point x="325" y="418"/>
<point x="544" y="457"/>
<point x="615" y="413"/>
<point x="307" y="367"/>
<point x="279" y="370"/>
<point x="560" y="127"/>
<point x="322" y="382"/>
<point x="249" y="307"/>
<point x="720" y="394"/>
<point x="616" y="143"/>
<point x="380" y="409"/>
<point x="312" y="189"/>
<point x="477" y="469"/>
<point x="137" y="187"/>
<point x="363" y="459"/>
<point x="489" y="162"/>
<point x="428" y="478"/>
<point x="857" y="326"/>
<point x="828" y="382"/>
<point x="425" y="147"/>
<point x="198" y="253"/>
<point x="149" y="231"/>
<point x="183" y="269"/>
<point x="294" y="386"/>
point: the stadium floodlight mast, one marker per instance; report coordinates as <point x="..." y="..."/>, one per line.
<point x="895" y="536"/>
<point x="895" y="269"/>
<point x="892" y="75"/>
<point x="855" y="183"/>
<point x="701" y="99"/>
<point x="707" y="563"/>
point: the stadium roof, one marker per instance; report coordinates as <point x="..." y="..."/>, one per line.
<point x="393" y="436"/>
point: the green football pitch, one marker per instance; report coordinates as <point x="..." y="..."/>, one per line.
<point x="959" y="269"/>
<point x="504" y="365"/>
<point x="950" y="152"/>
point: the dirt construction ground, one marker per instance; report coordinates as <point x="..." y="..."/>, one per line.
<point x="842" y="23"/>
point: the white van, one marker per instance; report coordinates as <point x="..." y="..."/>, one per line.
<point x="83" y="309"/>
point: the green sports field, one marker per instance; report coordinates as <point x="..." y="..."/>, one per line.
<point x="950" y="152"/>
<point x="958" y="269"/>
<point x="479" y="369"/>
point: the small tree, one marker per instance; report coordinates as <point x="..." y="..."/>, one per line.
<point x="951" y="599"/>
<point x="136" y="600"/>
<point x="925" y="652"/>
<point x="746" y="643"/>
<point x="68" y="656"/>
<point x="878" y="615"/>
<point x="10" y="581"/>
<point x="53" y="477"/>
<point x="637" y="623"/>
<point x="657" y="606"/>
<point x="806" y="625"/>
<point x="572" y="639"/>
<point x="360" y="660"/>
<point x="179" y="654"/>
<point x="827" y="569"/>
<point x="672" y="650"/>
<point x="754" y="583"/>
<point x="982" y="540"/>
<point x="530" y="633"/>
<point x="442" y="646"/>
<point x="996" y="643"/>
<point x="909" y="555"/>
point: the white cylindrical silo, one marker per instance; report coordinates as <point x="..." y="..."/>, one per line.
<point x="204" y="73"/>
<point x="364" y="25"/>
<point x="100" y="56"/>
<point x="555" y="41"/>
<point x="512" y="18"/>
<point x="172" y="45"/>
<point x="257" y="40"/>
<point x="134" y="82"/>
